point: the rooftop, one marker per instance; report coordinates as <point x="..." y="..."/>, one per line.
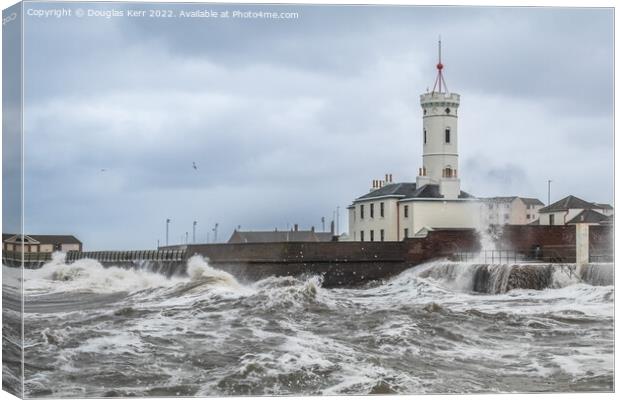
<point x="408" y="190"/>
<point x="46" y="239"/>
<point x="510" y="199"/>
<point x="279" y="236"/>
<point x="588" y="216"/>
<point x="572" y="202"/>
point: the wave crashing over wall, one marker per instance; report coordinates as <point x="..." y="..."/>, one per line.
<point x="501" y="278"/>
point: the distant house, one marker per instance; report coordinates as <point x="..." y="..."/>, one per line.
<point x="513" y="210"/>
<point x="40" y="243"/>
<point x="572" y="210"/>
<point x="293" y="235"/>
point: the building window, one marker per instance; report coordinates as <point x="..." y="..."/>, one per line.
<point x="506" y="216"/>
<point x="406" y="233"/>
<point x="361" y="212"/>
<point x="551" y="219"/>
<point x="528" y="216"/>
<point x="447" y="135"/>
<point x="372" y="235"/>
<point x="361" y="236"/>
<point x="382" y="209"/>
<point x="424" y="136"/>
<point x="382" y="232"/>
<point x="406" y="211"/>
<point x="372" y="210"/>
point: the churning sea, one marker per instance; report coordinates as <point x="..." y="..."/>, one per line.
<point x="95" y="331"/>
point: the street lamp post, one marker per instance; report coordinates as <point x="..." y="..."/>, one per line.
<point x="167" y="229"/>
<point x="549" y="192"/>
<point x="337" y="220"/>
<point x="215" y="232"/>
<point x="194" y="232"/>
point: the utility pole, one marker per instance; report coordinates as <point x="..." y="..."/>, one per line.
<point x="157" y="244"/>
<point x="549" y="192"/>
<point x="323" y="223"/>
<point x="186" y="237"/>
<point x="194" y="232"/>
<point x="167" y="229"/>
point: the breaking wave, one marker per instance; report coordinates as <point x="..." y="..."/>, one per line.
<point x="501" y="278"/>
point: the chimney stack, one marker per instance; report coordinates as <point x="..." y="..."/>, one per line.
<point x="296" y="227"/>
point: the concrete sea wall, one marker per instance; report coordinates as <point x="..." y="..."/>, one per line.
<point x="348" y="263"/>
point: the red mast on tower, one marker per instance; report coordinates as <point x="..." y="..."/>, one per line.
<point x="439" y="80"/>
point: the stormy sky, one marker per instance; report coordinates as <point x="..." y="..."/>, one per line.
<point x="288" y="119"/>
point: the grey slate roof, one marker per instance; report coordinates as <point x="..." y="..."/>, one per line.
<point x="48" y="239"/>
<point x="603" y="206"/>
<point x="510" y="199"/>
<point x="500" y="199"/>
<point x="588" y="216"/>
<point x="324" y="236"/>
<point x="279" y="236"/>
<point x="408" y="190"/>
<point x="569" y="202"/>
<point x="532" y="201"/>
<point x="394" y="190"/>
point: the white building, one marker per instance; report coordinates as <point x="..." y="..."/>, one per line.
<point x="571" y="210"/>
<point x="394" y="211"/>
<point x="512" y="210"/>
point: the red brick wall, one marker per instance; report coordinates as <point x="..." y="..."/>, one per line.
<point x="524" y="237"/>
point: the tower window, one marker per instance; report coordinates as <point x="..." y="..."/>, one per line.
<point x="382" y="209"/>
<point x="447" y="135"/>
<point x="447" y="110"/>
<point x="406" y="209"/>
<point x="361" y="212"/>
<point x="425" y="111"/>
<point x="424" y="136"/>
<point x="372" y="210"/>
